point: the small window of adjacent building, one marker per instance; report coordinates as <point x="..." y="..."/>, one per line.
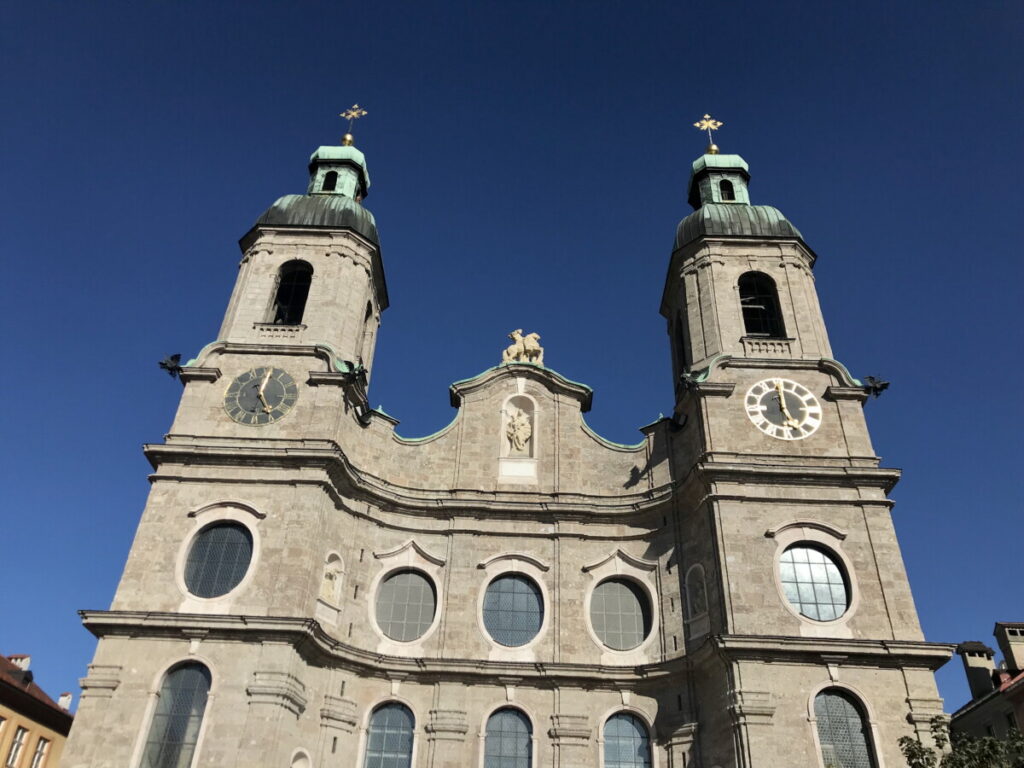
<point x="174" y="732"/>
<point x="620" y="614"/>
<point x="759" y="300"/>
<point x="293" y="284"/>
<point x="509" y="742"/>
<point x="389" y="739"/>
<point x="330" y="181"/>
<point x="39" y="756"/>
<point x="627" y="743"/>
<point x="218" y="559"/>
<point x="727" y="192"/>
<point x="842" y="730"/>
<point x="17" y="745"/>
<point x="813" y="582"/>
<point x="406" y="603"/>
<point x="513" y="609"/>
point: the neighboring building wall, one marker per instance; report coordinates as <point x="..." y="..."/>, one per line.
<point x="997" y="699"/>
<point x="33" y="728"/>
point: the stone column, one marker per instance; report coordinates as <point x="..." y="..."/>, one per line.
<point x="570" y="738"/>
<point x="446" y="736"/>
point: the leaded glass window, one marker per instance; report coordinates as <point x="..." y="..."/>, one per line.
<point x="218" y="559"/>
<point x="509" y="740"/>
<point x="626" y="742"/>
<point x="406" y="603"/>
<point x="813" y="583"/>
<point x="178" y="717"/>
<point x="513" y="609"/>
<point x="842" y="731"/>
<point x="620" y="614"/>
<point x="389" y="741"/>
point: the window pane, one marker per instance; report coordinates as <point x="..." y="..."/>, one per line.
<point x="509" y="740"/>
<point x="179" y="713"/>
<point x="620" y="614"/>
<point x="626" y="742"/>
<point x="405" y="605"/>
<point x="842" y="731"/>
<point x="513" y="610"/>
<point x="813" y="583"/>
<point x="389" y="742"/>
<point x="218" y="560"/>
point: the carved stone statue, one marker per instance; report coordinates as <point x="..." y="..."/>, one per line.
<point x="518" y="431"/>
<point x="328" y="587"/>
<point x="523" y="349"/>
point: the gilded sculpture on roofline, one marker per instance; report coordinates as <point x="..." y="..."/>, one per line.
<point x="523" y="349"/>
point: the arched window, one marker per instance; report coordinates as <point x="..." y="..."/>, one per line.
<point x="842" y="731"/>
<point x="509" y="741"/>
<point x="728" y="194"/>
<point x="292" y="292"/>
<point x="330" y="181"/>
<point x="626" y="742"/>
<point x="696" y="592"/>
<point x="760" y="303"/>
<point x="179" y="714"/>
<point x="389" y="741"/>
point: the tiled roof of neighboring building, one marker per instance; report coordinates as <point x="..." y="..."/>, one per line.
<point x="17" y="690"/>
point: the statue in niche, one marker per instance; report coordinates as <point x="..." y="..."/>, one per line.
<point x="518" y="430"/>
<point x="523" y="349"/>
<point x="329" y="583"/>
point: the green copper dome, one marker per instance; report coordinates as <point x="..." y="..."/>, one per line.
<point x="327" y="211"/>
<point x="735" y="220"/>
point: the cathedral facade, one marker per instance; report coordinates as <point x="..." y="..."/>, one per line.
<point x="307" y="588"/>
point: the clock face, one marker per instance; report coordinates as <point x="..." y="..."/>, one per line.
<point x="260" y="396"/>
<point x="783" y="409"/>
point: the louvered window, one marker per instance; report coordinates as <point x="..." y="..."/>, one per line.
<point x="759" y="300"/>
<point x="293" y="284"/>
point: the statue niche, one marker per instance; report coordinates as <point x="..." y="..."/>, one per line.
<point x="518" y="434"/>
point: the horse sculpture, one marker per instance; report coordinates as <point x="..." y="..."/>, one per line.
<point x="523" y="349"/>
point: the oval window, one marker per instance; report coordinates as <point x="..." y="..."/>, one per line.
<point x="513" y="610"/>
<point x="218" y="559"/>
<point x="620" y="614"/>
<point x="406" y="603"/>
<point x="814" y="582"/>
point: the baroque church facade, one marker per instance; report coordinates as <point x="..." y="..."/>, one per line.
<point x="307" y="588"/>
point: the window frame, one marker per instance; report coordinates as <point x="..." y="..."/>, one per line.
<point x="530" y="720"/>
<point x="364" y="745"/>
<point x="294" y="265"/>
<point x="779" y="316"/>
<point x="644" y="595"/>
<point x="218" y="512"/>
<point x="41" y="751"/>
<point x="407" y="556"/>
<point x="867" y="716"/>
<point x="646" y="720"/>
<point x="539" y="594"/>
<point x="434" y="590"/>
<point x="17" y="747"/>
<point x="641" y="572"/>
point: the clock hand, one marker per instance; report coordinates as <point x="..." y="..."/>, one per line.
<point x="259" y="393"/>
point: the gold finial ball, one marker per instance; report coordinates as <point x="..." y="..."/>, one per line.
<point x="712" y="149"/>
<point x="347" y="139"/>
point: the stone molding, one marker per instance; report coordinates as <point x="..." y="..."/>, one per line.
<point x="338" y="713"/>
<point x="190" y="373"/>
<point x="570" y="730"/>
<point x="447" y="725"/>
<point x="816" y="650"/>
<point x="752" y="707"/>
<point x="101" y="681"/>
<point x="757" y="346"/>
<point x="277" y="688"/>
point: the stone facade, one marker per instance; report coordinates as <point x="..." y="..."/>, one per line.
<point x="695" y="518"/>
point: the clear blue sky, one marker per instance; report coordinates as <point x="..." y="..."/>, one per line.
<point x="529" y="164"/>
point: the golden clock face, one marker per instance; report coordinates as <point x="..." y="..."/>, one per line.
<point x="783" y="409"/>
<point x="260" y="396"/>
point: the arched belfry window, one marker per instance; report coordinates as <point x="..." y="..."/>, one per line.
<point x="728" y="194"/>
<point x="292" y="291"/>
<point x="843" y="730"/>
<point x="174" y="732"/>
<point x="330" y="181"/>
<point x="760" y="302"/>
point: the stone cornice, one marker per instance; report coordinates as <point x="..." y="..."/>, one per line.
<point x="817" y="650"/>
<point x="309" y="638"/>
<point x="802" y="475"/>
<point x="547" y="377"/>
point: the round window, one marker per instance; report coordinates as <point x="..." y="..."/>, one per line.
<point x="218" y="559"/>
<point x="406" y="603"/>
<point x="513" y="609"/>
<point x="620" y="614"/>
<point x="814" y="582"/>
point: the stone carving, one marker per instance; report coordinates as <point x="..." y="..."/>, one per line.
<point x="518" y="430"/>
<point x="523" y="349"/>
<point x="331" y="580"/>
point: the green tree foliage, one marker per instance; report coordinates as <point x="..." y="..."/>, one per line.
<point x="964" y="751"/>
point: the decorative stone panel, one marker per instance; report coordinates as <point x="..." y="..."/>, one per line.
<point x="752" y="707"/>
<point x="101" y="682"/>
<point x="338" y="713"/>
<point x="570" y="730"/>
<point x="754" y="346"/>
<point x="447" y="725"/>
<point x="278" y="688"/>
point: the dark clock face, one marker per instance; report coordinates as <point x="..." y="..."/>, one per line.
<point x="783" y="409"/>
<point x="260" y="396"/>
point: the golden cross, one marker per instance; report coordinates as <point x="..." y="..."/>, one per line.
<point x="708" y="124"/>
<point x="352" y="113"/>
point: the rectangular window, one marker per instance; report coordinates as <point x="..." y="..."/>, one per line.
<point x="16" y="746"/>
<point x="39" y="758"/>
